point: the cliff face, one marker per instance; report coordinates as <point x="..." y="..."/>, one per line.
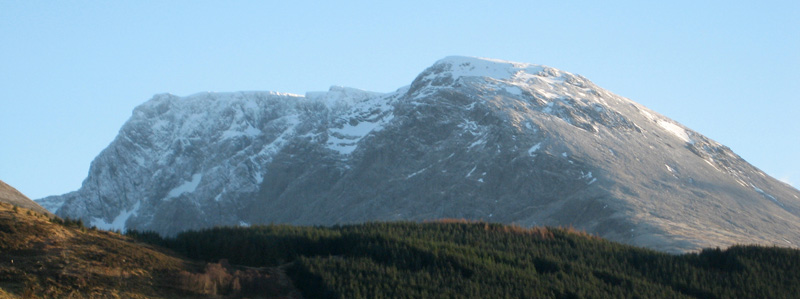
<point x="469" y="138"/>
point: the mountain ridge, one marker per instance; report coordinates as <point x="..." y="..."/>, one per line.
<point x="468" y="138"/>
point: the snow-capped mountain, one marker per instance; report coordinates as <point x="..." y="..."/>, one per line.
<point x="469" y="138"/>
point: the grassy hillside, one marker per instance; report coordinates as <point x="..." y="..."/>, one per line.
<point x="42" y="257"/>
<point x="12" y="196"/>
<point x="457" y="259"/>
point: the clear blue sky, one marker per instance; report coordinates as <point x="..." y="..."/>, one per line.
<point x="71" y="73"/>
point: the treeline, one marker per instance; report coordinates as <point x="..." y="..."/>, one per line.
<point x="486" y="260"/>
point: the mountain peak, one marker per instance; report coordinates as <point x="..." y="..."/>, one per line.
<point x="451" y="70"/>
<point x="465" y="66"/>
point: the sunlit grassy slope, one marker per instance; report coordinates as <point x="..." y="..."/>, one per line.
<point x="44" y="258"/>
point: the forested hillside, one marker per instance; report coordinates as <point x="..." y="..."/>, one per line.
<point x="458" y="259"/>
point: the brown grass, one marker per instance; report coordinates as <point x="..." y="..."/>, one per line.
<point x="44" y="259"/>
<point x="574" y="231"/>
<point x="452" y="220"/>
<point x="540" y="232"/>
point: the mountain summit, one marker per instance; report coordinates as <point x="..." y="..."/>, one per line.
<point x="470" y="138"/>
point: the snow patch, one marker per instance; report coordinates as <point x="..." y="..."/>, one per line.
<point x="290" y="122"/>
<point x="765" y="194"/>
<point x="741" y="182"/>
<point x="470" y="126"/>
<point x="485" y="67"/>
<point x="416" y="173"/>
<point x="675" y="130"/>
<point x="370" y="112"/>
<point x="186" y="187"/>
<point x="710" y="162"/>
<point x="470" y="172"/>
<point x="258" y="177"/>
<point x="534" y="148"/>
<point x="513" y="90"/>
<point x="588" y="176"/>
<point x="478" y="142"/>
<point x="345" y="140"/>
<point x="647" y="114"/>
<point x="250" y="132"/>
<point x="118" y="223"/>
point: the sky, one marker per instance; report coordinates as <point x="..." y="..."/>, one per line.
<point x="71" y="72"/>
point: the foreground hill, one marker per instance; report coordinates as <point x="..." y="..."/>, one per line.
<point x="469" y="138"/>
<point x="42" y="257"/>
<point x="10" y="195"/>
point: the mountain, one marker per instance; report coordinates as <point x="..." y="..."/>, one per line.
<point x="470" y="138"/>
<point x="10" y="195"/>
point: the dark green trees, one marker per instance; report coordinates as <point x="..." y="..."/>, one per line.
<point x="485" y="260"/>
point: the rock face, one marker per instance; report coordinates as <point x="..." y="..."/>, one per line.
<point x="10" y="195"/>
<point x="469" y="138"/>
